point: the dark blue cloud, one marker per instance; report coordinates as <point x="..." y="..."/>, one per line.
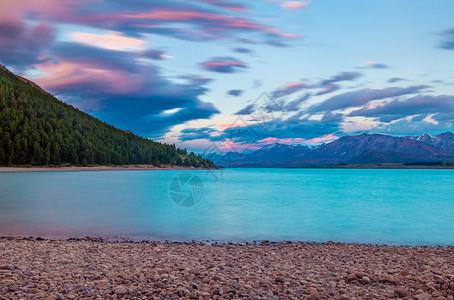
<point x="235" y="93"/>
<point x="247" y="110"/>
<point x="282" y="129"/>
<point x="190" y="134"/>
<point x="126" y="93"/>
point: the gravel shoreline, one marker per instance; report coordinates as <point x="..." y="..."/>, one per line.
<point x="94" y="268"/>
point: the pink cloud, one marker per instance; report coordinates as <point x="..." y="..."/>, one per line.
<point x="323" y="139"/>
<point x="228" y="145"/>
<point x="212" y="21"/>
<point x="229" y="5"/>
<point x="292" y="5"/>
<point x="110" y="40"/>
<point x="67" y="75"/>
<point x="223" y="65"/>
<point x="314" y="141"/>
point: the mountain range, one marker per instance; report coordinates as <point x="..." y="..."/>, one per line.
<point x="358" y="149"/>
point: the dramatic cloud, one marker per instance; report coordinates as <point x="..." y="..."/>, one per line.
<point x="114" y="87"/>
<point x="327" y="85"/>
<point x="22" y="45"/>
<point x="417" y="105"/>
<point x="125" y="23"/>
<point x="361" y="97"/>
<point x="281" y="129"/>
<point x="204" y="24"/>
<point x="448" y="42"/>
<point x="235" y="93"/>
<point x="223" y="65"/>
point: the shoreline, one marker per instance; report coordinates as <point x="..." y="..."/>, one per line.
<point x="92" y="268"/>
<point x="145" y="168"/>
<point x="205" y="242"/>
<point x="96" y="168"/>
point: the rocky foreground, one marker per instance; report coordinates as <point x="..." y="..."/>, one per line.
<point x="87" y="268"/>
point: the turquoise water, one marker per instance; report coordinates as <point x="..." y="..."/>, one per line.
<point x="409" y="207"/>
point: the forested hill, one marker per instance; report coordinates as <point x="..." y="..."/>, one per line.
<point x="38" y="129"/>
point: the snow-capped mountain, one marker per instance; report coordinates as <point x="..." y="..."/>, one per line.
<point x="360" y="149"/>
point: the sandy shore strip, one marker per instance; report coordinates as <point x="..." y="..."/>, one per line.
<point x="97" y="168"/>
<point x="91" y="269"/>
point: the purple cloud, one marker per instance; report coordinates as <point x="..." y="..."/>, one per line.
<point x="361" y="97"/>
<point x="22" y="45"/>
<point x="155" y="54"/>
<point x="288" y="89"/>
<point x="118" y="89"/>
<point x="420" y="104"/>
<point x="223" y="65"/>
<point x="342" y="76"/>
<point x="242" y="50"/>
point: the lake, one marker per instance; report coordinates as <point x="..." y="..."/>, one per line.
<point x="409" y="207"/>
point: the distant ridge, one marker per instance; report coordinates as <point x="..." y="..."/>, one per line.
<point x="358" y="149"/>
<point x="38" y="129"/>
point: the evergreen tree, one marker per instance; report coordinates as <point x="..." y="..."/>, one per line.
<point x="36" y="128"/>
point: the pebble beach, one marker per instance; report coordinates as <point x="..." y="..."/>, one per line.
<point x="98" y="269"/>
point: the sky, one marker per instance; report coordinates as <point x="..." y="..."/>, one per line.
<point x="220" y="75"/>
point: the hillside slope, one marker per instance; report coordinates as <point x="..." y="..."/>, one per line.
<point x="38" y="129"/>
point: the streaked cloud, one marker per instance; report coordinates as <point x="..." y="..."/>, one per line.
<point x="223" y="65"/>
<point x="361" y="97"/>
<point x="418" y="105"/>
<point x="292" y="5"/>
<point x="288" y="89"/>
<point x="111" y="40"/>
<point x="448" y="40"/>
<point x="235" y="93"/>
<point x="376" y="65"/>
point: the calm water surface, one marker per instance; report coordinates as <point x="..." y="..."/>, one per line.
<point x="371" y="206"/>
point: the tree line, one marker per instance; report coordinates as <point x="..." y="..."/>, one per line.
<point x="38" y="129"/>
